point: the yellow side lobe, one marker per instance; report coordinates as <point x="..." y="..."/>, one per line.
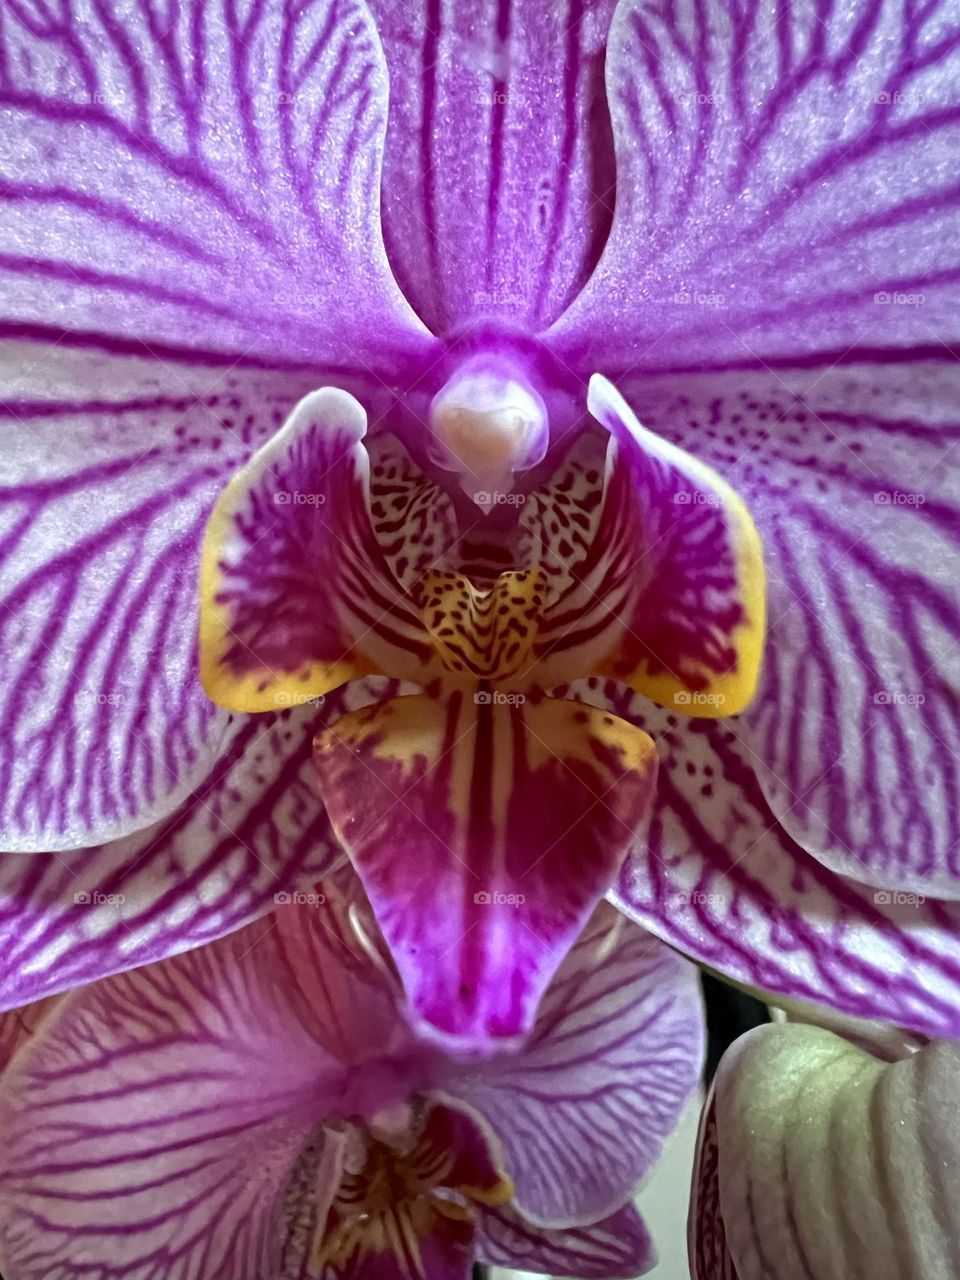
<point x="264" y="688"/>
<point x="731" y="692"/>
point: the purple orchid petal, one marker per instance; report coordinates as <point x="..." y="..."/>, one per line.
<point x="296" y="595"/>
<point x="670" y="598"/>
<point x="856" y="501"/>
<point x="615" y="1055"/>
<point x="151" y="1123"/>
<point x="720" y="879"/>
<point x="262" y="1102"/>
<point x="762" y="203"/>
<point x="835" y="1163"/>
<point x="618" y="1245"/>
<point x="485" y="828"/>
<point x="109" y="481"/>
<point x="498" y="182"/>
<point x="253" y="830"/>
<point x="210" y="181"/>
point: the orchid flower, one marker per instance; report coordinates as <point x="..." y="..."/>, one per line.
<point x="457" y="351"/>
<point x="260" y="1108"/>
<point x="825" y="1156"/>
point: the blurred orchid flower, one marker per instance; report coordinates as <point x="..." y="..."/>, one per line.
<point x="260" y="1108"/>
<point x="821" y="1157"/>
<point x="449" y="219"/>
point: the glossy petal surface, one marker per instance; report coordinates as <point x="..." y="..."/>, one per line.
<point x="786" y="184"/>
<point x="484" y="830"/>
<point x="834" y="1163"/>
<point x="206" y="179"/>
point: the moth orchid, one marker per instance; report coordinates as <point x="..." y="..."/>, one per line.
<point x="508" y="307"/>
<point x="824" y="1156"/>
<point x="259" y="1108"/>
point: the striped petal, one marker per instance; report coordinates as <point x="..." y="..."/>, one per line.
<point x="785" y="185"/>
<point x="671" y="600"/>
<point x="851" y="476"/>
<point x="720" y="879"/>
<point x="618" y="1245"/>
<point x="209" y="180"/>
<point x="498" y="183"/>
<point x="613" y="1059"/>
<point x="111" y="470"/>
<point x="296" y="597"/>
<point x="834" y="1163"/>
<point x="152" y="1122"/>
<point x="253" y="832"/>
<point x="485" y="829"/>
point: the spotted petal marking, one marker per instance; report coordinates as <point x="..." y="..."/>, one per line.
<point x="413" y="519"/>
<point x="721" y="880"/>
<point x="296" y="597"/>
<point x="487" y="633"/>
<point x="559" y="522"/>
<point x="484" y="832"/>
<point x="671" y="599"/>
<point x="852" y="476"/>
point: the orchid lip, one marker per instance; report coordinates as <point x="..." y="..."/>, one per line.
<point x="488" y="422"/>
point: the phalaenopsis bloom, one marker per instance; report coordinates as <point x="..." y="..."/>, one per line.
<point x="259" y="1108"/>
<point x="460" y="353"/>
